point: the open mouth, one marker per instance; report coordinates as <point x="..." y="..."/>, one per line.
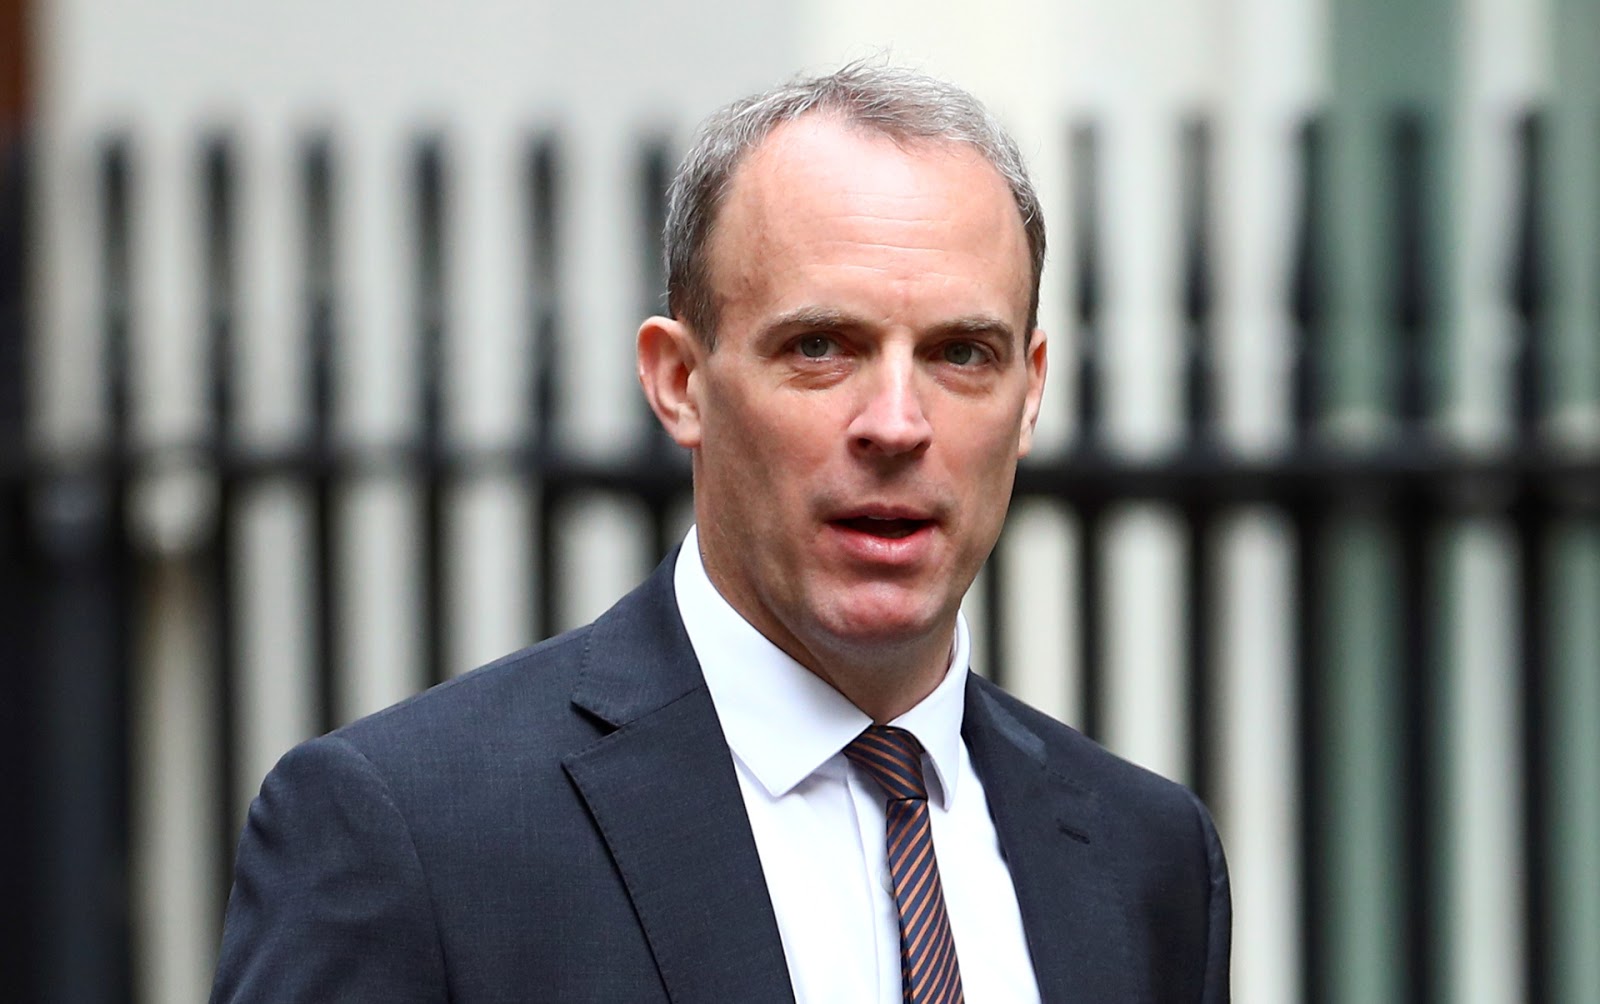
<point x="891" y="529"/>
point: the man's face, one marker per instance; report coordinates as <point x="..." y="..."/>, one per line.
<point x="872" y="386"/>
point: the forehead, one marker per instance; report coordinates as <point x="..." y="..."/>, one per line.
<point x="819" y="189"/>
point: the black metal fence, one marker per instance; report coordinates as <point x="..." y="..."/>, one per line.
<point x="72" y="571"/>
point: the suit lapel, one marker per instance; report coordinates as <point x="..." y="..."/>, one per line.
<point x="1071" y="908"/>
<point x="663" y="792"/>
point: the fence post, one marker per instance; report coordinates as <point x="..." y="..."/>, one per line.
<point x="19" y="848"/>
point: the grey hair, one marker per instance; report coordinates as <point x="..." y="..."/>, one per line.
<point x="901" y="104"/>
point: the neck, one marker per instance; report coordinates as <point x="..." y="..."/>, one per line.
<point x="883" y="688"/>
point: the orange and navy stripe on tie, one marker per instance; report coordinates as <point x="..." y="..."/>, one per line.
<point x="929" y="973"/>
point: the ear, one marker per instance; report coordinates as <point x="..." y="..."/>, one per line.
<point x="669" y="352"/>
<point x="1036" y="361"/>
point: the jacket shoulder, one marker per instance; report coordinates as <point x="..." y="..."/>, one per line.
<point x="1118" y="785"/>
<point x="536" y="681"/>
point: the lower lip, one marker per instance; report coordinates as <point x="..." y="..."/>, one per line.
<point x="876" y="550"/>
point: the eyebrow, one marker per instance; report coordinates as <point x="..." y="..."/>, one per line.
<point x="830" y="319"/>
<point x="977" y="325"/>
<point x="824" y="318"/>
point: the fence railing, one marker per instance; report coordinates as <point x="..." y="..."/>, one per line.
<point x="1374" y="534"/>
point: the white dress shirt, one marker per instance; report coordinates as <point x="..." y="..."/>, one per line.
<point x="819" y="821"/>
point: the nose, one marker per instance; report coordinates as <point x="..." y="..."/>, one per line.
<point x="891" y="420"/>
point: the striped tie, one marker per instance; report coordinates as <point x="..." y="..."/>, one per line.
<point x="928" y="970"/>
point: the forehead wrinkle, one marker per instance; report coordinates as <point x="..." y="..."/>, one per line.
<point x="851" y="242"/>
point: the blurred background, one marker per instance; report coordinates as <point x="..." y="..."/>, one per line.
<point x="316" y="388"/>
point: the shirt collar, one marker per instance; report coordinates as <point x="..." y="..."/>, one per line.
<point x="783" y="721"/>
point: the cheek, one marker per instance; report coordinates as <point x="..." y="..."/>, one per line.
<point x="764" y="457"/>
<point x="988" y="467"/>
<point x="788" y="433"/>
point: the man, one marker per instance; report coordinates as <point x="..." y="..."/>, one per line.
<point x="767" y="773"/>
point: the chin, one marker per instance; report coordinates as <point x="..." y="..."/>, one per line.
<point x="874" y="623"/>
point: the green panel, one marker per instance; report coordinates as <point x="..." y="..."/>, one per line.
<point x="1573" y="206"/>
<point x="1388" y="56"/>
<point x="1361" y="816"/>
<point x="1573" y="714"/>
<point x="1573" y="707"/>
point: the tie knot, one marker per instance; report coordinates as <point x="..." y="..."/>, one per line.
<point x="892" y="757"/>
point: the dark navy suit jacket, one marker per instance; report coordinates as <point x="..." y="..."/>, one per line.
<point x="565" y="825"/>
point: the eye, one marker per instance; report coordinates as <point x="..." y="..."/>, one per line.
<point x="815" y="346"/>
<point x="961" y="354"/>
